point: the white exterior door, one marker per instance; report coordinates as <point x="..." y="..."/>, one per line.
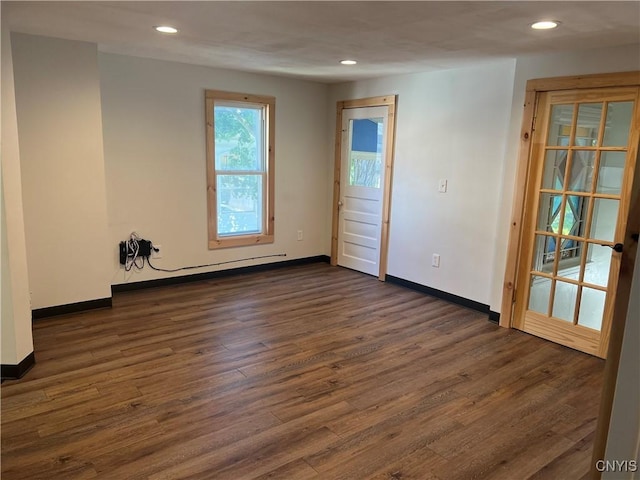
<point x="362" y="183"/>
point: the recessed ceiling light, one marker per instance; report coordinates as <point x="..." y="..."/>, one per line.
<point x="545" y="25"/>
<point x="166" y="29"/>
<point x="348" y="62"/>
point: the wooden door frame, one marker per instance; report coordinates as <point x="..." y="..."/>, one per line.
<point x="388" y="101"/>
<point x="623" y="289"/>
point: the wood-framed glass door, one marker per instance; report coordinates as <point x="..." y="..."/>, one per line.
<point x="583" y="157"/>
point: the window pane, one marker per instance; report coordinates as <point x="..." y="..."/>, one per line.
<point x="588" y="124"/>
<point x="582" y="164"/>
<point x="591" y="308"/>
<point x="365" y="153"/>
<point x="616" y="131"/>
<point x="560" y="125"/>
<point x="539" y="294"/>
<point x="364" y="169"/>
<point x="605" y="218"/>
<point x="544" y="253"/>
<point x="564" y="301"/>
<point x="239" y="204"/>
<point x="610" y="172"/>
<point x="569" y="264"/>
<point x="238" y="138"/>
<point x="549" y="212"/>
<point x="596" y="270"/>
<point x="555" y="164"/>
<point x="575" y="214"/>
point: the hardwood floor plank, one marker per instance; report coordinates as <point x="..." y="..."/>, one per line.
<point x="50" y="373"/>
<point x="394" y="443"/>
<point x="281" y="440"/>
<point x="307" y="372"/>
<point x="184" y="446"/>
<point x="298" y="470"/>
<point x="528" y="457"/>
<point x="573" y="463"/>
<point x="431" y="413"/>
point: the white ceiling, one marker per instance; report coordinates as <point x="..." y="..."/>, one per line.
<point x="307" y="39"/>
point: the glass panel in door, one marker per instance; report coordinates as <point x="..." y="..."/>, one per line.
<point x="365" y="153"/>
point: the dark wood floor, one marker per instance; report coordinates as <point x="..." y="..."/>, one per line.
<point x="310" y="372"/>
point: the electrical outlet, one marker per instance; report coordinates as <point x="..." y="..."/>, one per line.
<point x="300" y="235"/>
<point x="435" y="260"/>
<point x="156" y="251"/>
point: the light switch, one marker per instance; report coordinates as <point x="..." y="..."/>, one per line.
<point x="442" y="185"/>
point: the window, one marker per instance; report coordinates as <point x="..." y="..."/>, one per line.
<point x="240" y="168"/>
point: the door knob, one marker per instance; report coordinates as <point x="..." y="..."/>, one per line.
<point x="616" y="248"/>
<point x="340" y="203"/>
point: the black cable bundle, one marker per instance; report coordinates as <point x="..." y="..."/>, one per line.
<point x="134" y="251"/>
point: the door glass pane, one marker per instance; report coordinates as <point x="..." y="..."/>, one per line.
<point x="569" y="263"/>
<point x="610" y="172"/>
<point x="596" y="270"/>
<point x="575" y="213"/>
<point x="544" y="253"/>
<point x="588" y="125"/>
<point x="540" y="289"/>
<point x="616" y="131"/>
<point x="591" y="308"/>
<point x="365" y="155"/>
<point x="549" y="212"/>
<point x="560" y="124"/>
<point x="555" y="164"/>
<point x="564" y="302"/>
<point x="582" y="170"/>
<point x="605" y="217"/>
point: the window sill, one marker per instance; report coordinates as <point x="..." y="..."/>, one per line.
<point x="240" y="241"/>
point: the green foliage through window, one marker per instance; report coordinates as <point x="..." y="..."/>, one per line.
<point x="241" y="160"/>
<point x="239" y="157"/>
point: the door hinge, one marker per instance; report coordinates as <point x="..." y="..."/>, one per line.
<point x="533" y="124"/>
<point x="513" y="296"/>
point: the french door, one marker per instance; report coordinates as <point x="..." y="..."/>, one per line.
<point x="583" y="157"/>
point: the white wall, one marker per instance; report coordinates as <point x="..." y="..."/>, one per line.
<point x="450" y="125"/>
<point x="154" y="140"/>
<point x="15" y="309"/>
<point x="606" y="60"/>
<point x="63" y="185"/>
